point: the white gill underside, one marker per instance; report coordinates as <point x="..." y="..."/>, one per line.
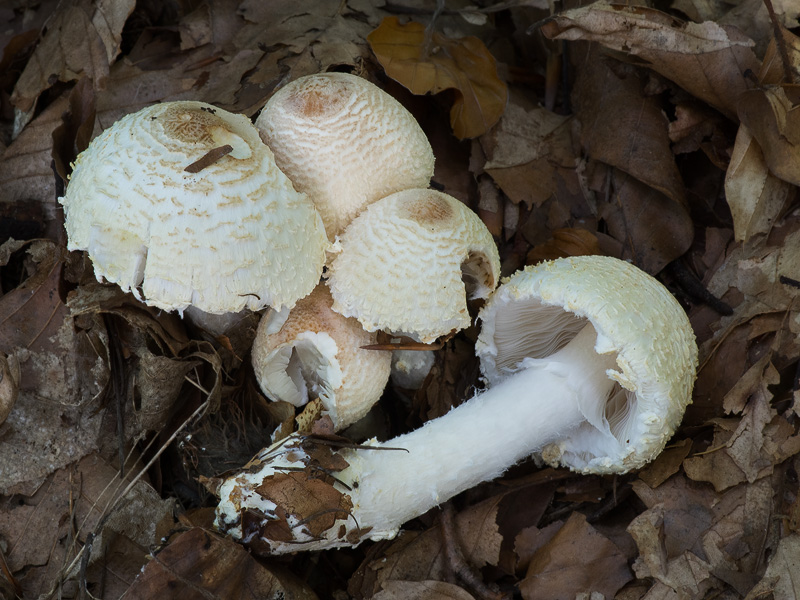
<point x="308" y="368"/>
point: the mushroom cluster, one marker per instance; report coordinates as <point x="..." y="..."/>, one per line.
<point x="406" y="258"/>
<point x="589" y="361"/>
<point x="194" y="209"/>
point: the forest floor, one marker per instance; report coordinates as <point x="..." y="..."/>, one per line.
<point x="666" y="134"/>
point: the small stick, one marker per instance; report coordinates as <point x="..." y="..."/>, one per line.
<point x="209" y="158"/>
<point x="780" y="42"/>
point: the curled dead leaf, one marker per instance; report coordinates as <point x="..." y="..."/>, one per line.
<point x="9" y="384"/>
<point x="772" y="114"/>
<point x="439" y="63"/>
<point x="706" y="59"/>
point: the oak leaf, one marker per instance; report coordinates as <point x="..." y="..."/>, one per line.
<point x="431" y="65"/>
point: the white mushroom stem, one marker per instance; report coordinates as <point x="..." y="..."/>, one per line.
<point x="480" y="439"/>
<point x="474" y="442"/>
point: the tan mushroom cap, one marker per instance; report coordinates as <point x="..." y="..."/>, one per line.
<point x="313" y="352"/>
<point x="344" y="142"/>
<point x="538" y="311"/>
<point x="404" y="263"/>
<point x="234" y="234"/>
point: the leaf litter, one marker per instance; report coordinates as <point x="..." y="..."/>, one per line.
<point x="672" y="142"/>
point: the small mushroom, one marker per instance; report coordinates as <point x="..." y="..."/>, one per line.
<point x="409" y="262"/>
<point x="344" y="142"/>
<point x="603" y="394"/>
<point x="181" y="203"/>
<point x="312" y="352"/>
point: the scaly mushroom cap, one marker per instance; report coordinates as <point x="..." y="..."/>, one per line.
<point x="344" y="142"/>
<point x="313" y="352"/>
<point x="404" y="263"/>
<point x="538" y="311"/>
<point x="229" y="233"/>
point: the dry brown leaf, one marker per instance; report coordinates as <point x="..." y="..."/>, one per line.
<point x="762" y="273"/>
<point x="666" y="464"/>
<point x="25" y="173"/>
<point x="82" y="38"/>
<point x="37" y="528"/>
<point x="687" y="572"/>
<point x="421" y="590"/>
<point x="55" y="420"/>
<point x="200" y="564"/>
<point x="524" y="151"/>
<point x="706" y="59"/>
<point x="565" y="242"/>
<point x="554" y="572"/>
<point x="623" y="127"/>
<point x="780" y="579"/>
<point x="772" y="115"/>
<point x="755" y="196"/>
<point x="431" y="66"/>
<point x="629" y="213"/>
<point x="416" y="556"/>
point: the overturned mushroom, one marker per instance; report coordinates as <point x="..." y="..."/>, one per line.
<point x="312" y="352"/>
<point x="409" y="262"/>
<point x="603" y="396"/>
<point x="181" y="203"/>
<point x="344" y="142"/>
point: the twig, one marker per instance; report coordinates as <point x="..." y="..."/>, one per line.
<point x="209" y="158"/>
<point x="780" y="43"/>
<point x="694" y="288"/>
<point x="114" y="504"/>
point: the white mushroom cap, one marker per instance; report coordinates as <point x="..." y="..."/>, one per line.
<point x="234" y="234"/>
<point x="312" y="351"/>
<point x="344" y="142"/>
<point x="539" y="310"/>
<point x="404" y="263"/>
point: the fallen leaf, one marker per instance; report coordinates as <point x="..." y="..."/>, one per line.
<point x="432" y="65"/>
<point x="420" y="556"/>
<point x="706" y="59"/>
<point x="755" y="196"/>
<point x="554" y="572"/>
<point x="199" y="564"/>
<point x="55" y="420"/>
<point x="46" y="529"/>
<point x="623" y="127"/>
<point x="525" y="150"/>
<point x="421" y="590"/>
<point x="81" y="38"/>
<point x="565" y="242"/>
<point x="666" y="464"/>
<point x="629" y="212"/>
<point x="772" y="115"/>
<point x="780" y="577"/>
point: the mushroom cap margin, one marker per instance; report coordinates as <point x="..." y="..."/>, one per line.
<point x="636" y="317"/>
<point x="400" y="265"/>
<point x="354" y="377"/>
<point x="233" y="235"/>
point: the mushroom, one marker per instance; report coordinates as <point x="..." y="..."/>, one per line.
<point x="181" y="203"/>
<point x="603" y="395"/>
<point x="408" y="263"/>
<point x="344" y="142"/>
<point x="313" y="352"/>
